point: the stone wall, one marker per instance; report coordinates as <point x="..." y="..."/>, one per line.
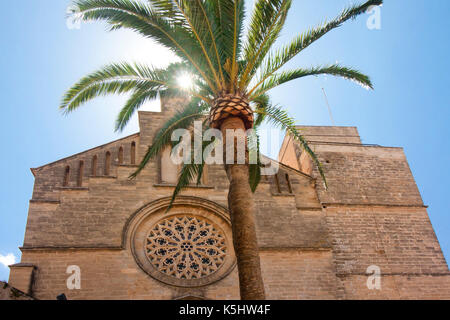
<point x="367" y="175"/>
<point x="111" y="274"/>
<point x="296" y="274"/>
<point x="399" y="240"/>
<point x="375" y="216"/>
<point x="10" y="293"/>
<point x="315" y="243"/>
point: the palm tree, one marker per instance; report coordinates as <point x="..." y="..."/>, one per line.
<point x="232" y="72"/>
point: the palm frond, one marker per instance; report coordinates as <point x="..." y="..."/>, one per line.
<point x="254" y="168"/>
<point x="181" y="120"/>
<point x="112" y="79"/>
<point x="278" y="59"/>
<point x="191" y="15"/>
<point x="280" y="118"/>
<point x="124" y="77"/>
<point x="194" y="16"/>
<point x="227" y="23"/>
<point x="267" y="21"/>
<point x="142" y="18"/>
<point x="199" y="16"/>
<point x="260" y="102"/>
<point x="138" y="98"/>
<point x="168" y="9"/>
<point x="333" y="70"/>
<point x="218" y="12"/>
<point x="214" y="47"/>
<point x="254" y="176"/>
<point x="238" y="25"/>
<point x="189" y="172"/>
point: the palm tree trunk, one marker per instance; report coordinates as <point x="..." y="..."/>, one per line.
<point x="242" y="211"/>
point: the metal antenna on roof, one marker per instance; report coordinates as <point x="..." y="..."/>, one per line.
<point x="328" y="106"/>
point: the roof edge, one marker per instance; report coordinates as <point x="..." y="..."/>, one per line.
<point x="290" y="168"/>
<point x="36" y="169"/>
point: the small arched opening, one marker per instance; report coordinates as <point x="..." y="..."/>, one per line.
<point x="66" y="176"/>
<point x="107" y="163"/>
<point x="288" y="182"/>
<point x="94" y="165"/>
<point x="133" y="153"/>
<point x="120" y="155"/>
<point x="80" y="174"/>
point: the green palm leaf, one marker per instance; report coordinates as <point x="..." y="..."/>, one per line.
<point x="190" y="172"/>
<point x="141" y="18"/>
<point x="254" y="168"/>
<point x="278" y="59"/>
<point x="112" y="79"/>
<point x="333" y="70"/>
<point x="280" y="118"/>
<point x="260" y="102"/>
<point x="267" y="21"/>
<point x="138" y="98"/>
<point x="218" y="12"/>
<point x="228" y="23"/>
<point x="181" y="120"/>
<point x="192" y="16"/>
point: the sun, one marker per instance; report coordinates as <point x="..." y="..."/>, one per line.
<point x="185" y="81"/>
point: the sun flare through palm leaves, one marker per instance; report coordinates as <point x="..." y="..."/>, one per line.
<point x="185" y="81"/>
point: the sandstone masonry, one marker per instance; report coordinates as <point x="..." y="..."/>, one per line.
<point x="315" y="243"/>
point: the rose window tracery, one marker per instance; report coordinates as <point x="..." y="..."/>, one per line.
<point x="186" y="247"/>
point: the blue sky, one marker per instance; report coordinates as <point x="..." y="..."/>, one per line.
<point x="406" y="59"/>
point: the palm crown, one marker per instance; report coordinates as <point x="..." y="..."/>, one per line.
<point x="208" y="38"/>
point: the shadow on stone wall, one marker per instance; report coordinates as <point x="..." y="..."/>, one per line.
<point x="9" y="293"/>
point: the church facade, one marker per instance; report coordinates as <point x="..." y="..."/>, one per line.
<point x="367" y="237"/>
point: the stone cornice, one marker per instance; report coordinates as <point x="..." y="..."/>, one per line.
<point x="340" y="204"/>
<point x="46" y="248"/>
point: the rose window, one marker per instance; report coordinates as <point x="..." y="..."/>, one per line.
<point x="186" y="247"/>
